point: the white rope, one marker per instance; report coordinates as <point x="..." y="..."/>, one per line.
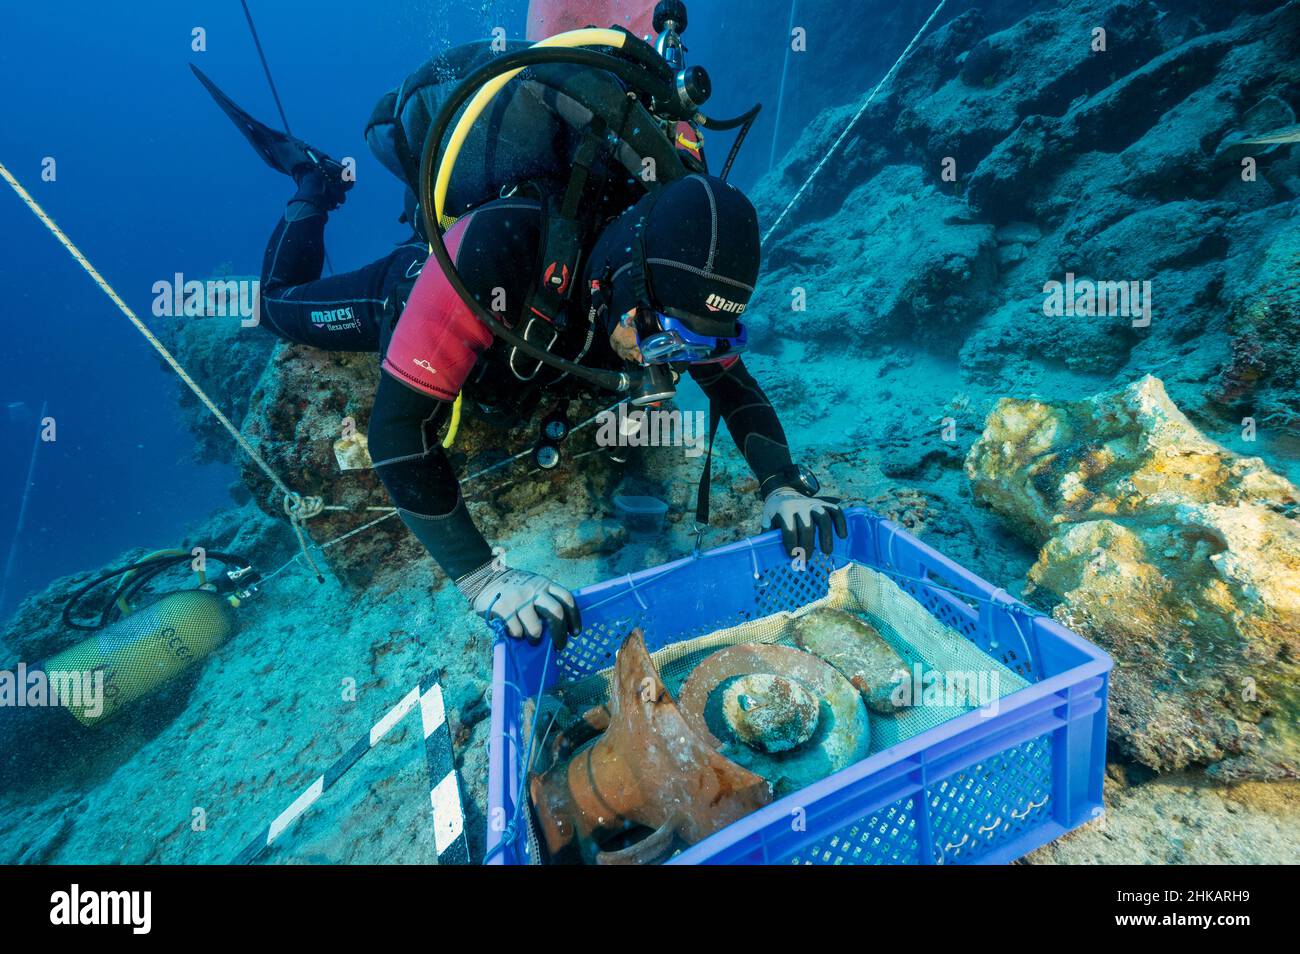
<point x="296" y="507"/>
<point x="392" y="511"/>
<point x="75" y="252"/>
<point x="852" y="122"/>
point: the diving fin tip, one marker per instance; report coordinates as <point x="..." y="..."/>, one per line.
<point x="279" y="150"/>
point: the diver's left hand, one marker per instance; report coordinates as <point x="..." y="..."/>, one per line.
<point x="804" y="520"/>
<point x="626" y="344"/>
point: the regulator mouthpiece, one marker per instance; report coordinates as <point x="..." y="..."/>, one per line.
<point x="693" y="88"/>
<point x="657" y="383"/>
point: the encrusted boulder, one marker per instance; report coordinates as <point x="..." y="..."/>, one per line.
<point x="311" y="410"/>
<point x="1178" y="556"/>
<point x="305" y="401"/>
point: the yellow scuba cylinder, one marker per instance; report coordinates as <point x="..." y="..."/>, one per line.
<point x="138" y="654"/>
<point x="136" y="643"/>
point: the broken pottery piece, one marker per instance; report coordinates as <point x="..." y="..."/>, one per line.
<point x="353" y="452"/>
<point x="649" y="768"/>
<point x="857" y="650"/>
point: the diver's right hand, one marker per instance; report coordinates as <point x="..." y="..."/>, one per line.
<point x="523" y="601"/>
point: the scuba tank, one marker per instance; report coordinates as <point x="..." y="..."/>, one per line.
<point x="131" y="654"/>
<point x="140" y="653"/>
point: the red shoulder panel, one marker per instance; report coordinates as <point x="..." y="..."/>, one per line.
<point x="438" y="339"/>
<point x="549" y="17"/>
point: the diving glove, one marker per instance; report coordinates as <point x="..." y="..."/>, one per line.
<point x="523" y="601"/>
<point x="804" y="520"/>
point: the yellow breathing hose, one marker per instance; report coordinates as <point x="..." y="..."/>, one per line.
<point x="474" y="109"/>
<point x="489" y="90"/>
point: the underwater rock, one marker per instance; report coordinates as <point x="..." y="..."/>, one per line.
<point x="1180" y="819"/>
<point x="1009" y="255"/>
<point x="1018" y="233"/>
<point x="893" y="267"/>
<point x="917" y="457"/>
<point x="1165" y="115"/>
<point x="225" y="358"/>
<point x="308" y="400"/>
<point x="302" y="404"/>
<point x="247" y="532"/>
<point x="1019" y="330"/>
<point x="1115" y="455"/>
<point x="1078" y="158"/>
<point x="1179" y="557"/>
<point x="591" y="537"/>
<point x="857" y="650"/>
<point x="770" y="713"/>
<point x="47" y="828"/>
<point x="1117" y="112"/>
<point x="1036" y="67"/>
<point x="913" y="510"/>
<point x="1262" y="377"/>
<point x="983" y="63"/>
<point x="1190" y="233"/>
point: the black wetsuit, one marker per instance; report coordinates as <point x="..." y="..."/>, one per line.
<point x="360" y="311"/>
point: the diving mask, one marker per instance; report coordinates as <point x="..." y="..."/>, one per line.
<point x="666" y="339"/>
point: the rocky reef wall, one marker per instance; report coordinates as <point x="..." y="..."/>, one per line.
<point x="985" y="222"/>
<point x="1004" y="158"/>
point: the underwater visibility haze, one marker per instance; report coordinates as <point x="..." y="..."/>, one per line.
<point x="353" y="347"/>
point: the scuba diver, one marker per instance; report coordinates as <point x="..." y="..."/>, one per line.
<point x="547" y="243"/>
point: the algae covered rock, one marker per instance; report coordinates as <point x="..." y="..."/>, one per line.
<point x="1178" y="556"/>
<point x="1262" y="376"/>
<point x="305" y="401"/>
<point x="309" y="419"/>
<point x="857" y="651"/>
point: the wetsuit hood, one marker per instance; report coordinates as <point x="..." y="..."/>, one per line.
<point x="701" y="245"/>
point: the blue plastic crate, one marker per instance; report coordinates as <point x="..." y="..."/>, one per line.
<point x="977" y="788"/>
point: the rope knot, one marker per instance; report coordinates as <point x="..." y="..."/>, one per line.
<point x="298" y="508"/>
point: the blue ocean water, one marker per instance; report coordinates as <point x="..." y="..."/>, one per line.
<point x="151" y="181"/>
<point x="917" y="316"/>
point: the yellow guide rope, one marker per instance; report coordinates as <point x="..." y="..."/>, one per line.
<point x="296" y="506"/>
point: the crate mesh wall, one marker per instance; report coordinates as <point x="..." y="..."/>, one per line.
<point x="886" y="837"/>
<point x="691" y="609"/>
<point x="991" y="802"/>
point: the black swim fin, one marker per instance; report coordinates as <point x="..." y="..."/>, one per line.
<point x="279" y="150"/>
